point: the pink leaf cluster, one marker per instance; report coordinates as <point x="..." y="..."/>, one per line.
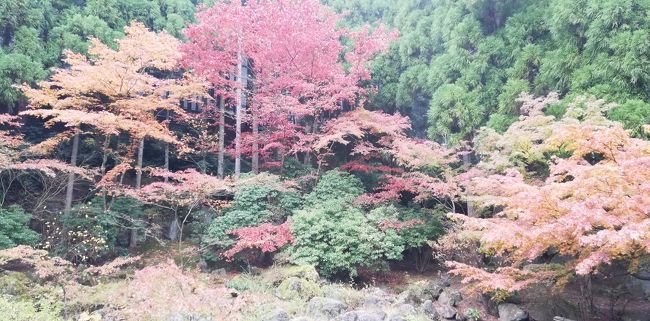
<point x="112" y="267"/>
<point x="184" y="188"/>
<point x="293" y="52"/>
<point x="421" y="186"/>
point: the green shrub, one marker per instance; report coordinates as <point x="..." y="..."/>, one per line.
<point x="334" y="185"/>
<point x="17" y="310"/>
<point x="14" y="229"/>
<point x="249" y="208"/>
<point x="500" y="122"/>
<point x="414" y="236"/>
<point x="294" y="288"/>
<point x="473" y="314"/>
<point x="337" y="237"/>
<point x="276" y="274"/>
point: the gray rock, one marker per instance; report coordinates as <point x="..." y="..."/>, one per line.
<point x="446" y="311"/>
<point x="203" y="266"/>
<point x="406" y="309"/>
<point x="511" y="312"/>
<point x="326" y="307"/>
<point x="429" y="310"/>
<point x="450" y="297"/>
<point x="427" y="306"/>
<point x="362" y="315"/>
<point x="220" y="272"/>
<point x="301" y="319"/>
<point x="373" y="302"/>
<point x="434" y="289"/>
<point x="276" y="315"/>
<point x="402" y="312"/>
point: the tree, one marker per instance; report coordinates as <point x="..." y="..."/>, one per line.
<point x="114" y="92"/>
<point x="109" y="92"/>
<point x="334" y="235"/>
<point x="590" y="207"/>
<point x="17" y="166"/>
<point x="362" y="137"/>
<point x="182" y="193"/>
<point x="296" y="71"/>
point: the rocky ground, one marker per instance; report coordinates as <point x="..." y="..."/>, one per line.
<point x="422" y="300"/>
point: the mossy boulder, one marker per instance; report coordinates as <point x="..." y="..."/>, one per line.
<point x="298" y="288"/>
<point x="277" y="275"/>
<point x="16" y="284"/>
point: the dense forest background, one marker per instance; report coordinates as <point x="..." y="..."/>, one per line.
<point x="325" y="160"/>
<point x="457" y="65"/>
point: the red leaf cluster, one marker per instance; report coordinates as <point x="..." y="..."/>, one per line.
<point x="266" y="238"/>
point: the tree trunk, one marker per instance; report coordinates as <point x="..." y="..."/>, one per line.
<point x="256" y="147"/>
<point x="471" y="207"/>
<point x="107" y="142"/>
<point x="166" y="151"/>
<point x="73" y="161"/>
<point x="166" y="161"/>
<point x="133" y="239"/>
<point x="238" y="113"/>
<point x="174" y="229"/>
<point x="222" y="136"/>
<point x="138" y="168"/>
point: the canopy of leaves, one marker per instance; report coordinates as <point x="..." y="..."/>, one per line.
<point x="591" y="208"/>
<point x="467" y="61"/>
<point x="34" y="33"/>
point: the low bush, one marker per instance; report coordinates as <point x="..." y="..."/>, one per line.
<point x="14" y="229"/>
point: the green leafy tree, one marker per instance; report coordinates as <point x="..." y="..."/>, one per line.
<point x="14" y="228"/>
<point x="34" y="33"/>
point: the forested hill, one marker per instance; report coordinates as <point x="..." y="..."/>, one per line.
<point x="33" y="33"/>
<point x="458" y="65"/>
<point x="313" y="160"/>
<point x="462" y="64"/>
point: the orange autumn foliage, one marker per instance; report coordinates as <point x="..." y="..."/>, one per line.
<point x="593" y="208"/>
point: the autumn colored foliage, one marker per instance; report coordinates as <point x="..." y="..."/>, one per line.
<point x="292" y="49"/>
<point x="591" y="208"/>
<point x="266" y="237"/>
<point x="268" y="137"/>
